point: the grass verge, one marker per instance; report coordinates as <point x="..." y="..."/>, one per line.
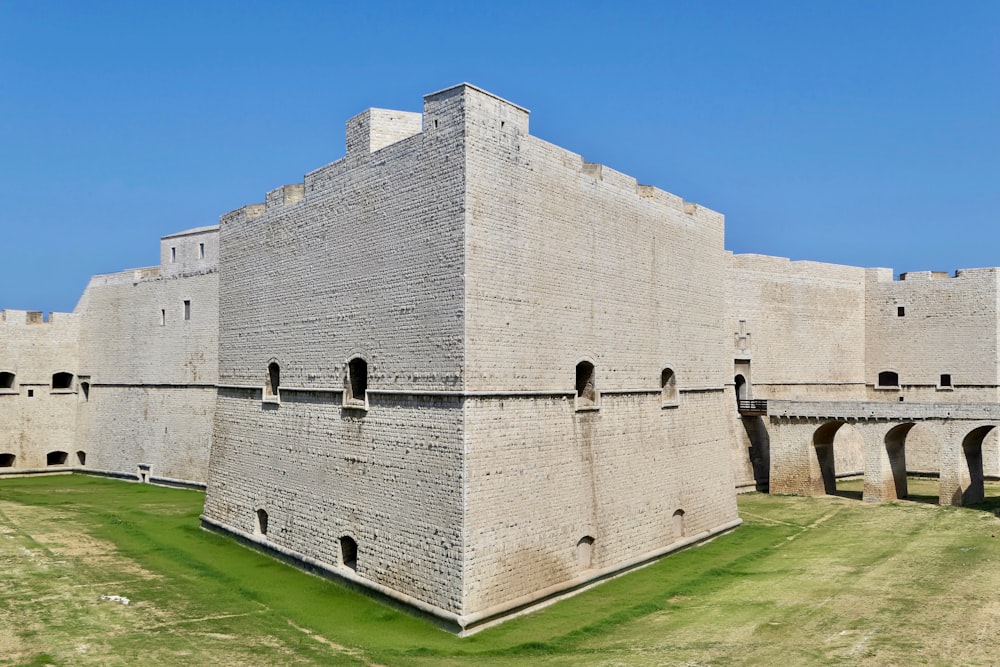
<point x="805" y="581"/>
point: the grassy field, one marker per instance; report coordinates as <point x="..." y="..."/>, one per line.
<point x="805" y="581"/>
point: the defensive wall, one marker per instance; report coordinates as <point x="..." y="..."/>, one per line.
<point x="125" y="385"/>
<point x="808" y="331"/>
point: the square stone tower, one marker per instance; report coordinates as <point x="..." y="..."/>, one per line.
<point x="467" y="369"/>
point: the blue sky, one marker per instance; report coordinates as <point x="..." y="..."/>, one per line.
<point x="863" y="133"/>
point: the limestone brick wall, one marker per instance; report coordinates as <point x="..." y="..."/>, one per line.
<point x="929" y="324"/>
<point x="368" y="262"/>
<point x="542" y="476"/>
<point x="806" y="326"/>
<point x="37" y="418"/>
<point x="570" y="261"/>
<point x="796" y="331"/>
<point x="149" y="345"/>
<point x="389" y="478"/>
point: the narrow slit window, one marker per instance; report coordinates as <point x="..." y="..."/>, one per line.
<point x="187" y="309"/>
<point x="349" y="552"/>
<point x="81" y="457"/>
<point x="201" y="251"/>
<point x="173" y="255"/>
<point x="668" y="386"/>
<point x="356" y="386"/>
<point x="678" y="524"/>
<point x="260" y="523"/>
<point x="586" y="385"/>
<point x="163" y="317"/>
<point x="273" y="380"/>
<point x="585" y="552"/>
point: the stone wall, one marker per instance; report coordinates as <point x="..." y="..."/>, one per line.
<point x="37" y="414"/>
<point x="927" y="325"/>
<point x="569" y="261"/>
<point x="368" y="263"/>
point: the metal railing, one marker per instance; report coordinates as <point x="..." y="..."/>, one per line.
<point x="752" y="406"/>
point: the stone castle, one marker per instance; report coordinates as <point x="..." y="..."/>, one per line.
<point x="471" y="371"/>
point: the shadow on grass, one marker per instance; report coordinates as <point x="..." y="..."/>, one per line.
<point x="851" y="494"/>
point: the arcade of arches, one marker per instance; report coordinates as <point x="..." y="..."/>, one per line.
<point x="809" y="450"/>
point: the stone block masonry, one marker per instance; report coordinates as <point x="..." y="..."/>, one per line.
<point x="471" y="268"/>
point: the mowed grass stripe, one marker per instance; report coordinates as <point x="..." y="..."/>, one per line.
<point x="804" y="581"/>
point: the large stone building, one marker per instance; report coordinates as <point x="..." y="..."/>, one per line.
<point x="466" y="368"/>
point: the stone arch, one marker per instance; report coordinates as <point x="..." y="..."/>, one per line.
<point x="895" y="450"/>
<point x="822" y="442"/>
<point x="972" y="450"/>
<point x="839" y="452"/>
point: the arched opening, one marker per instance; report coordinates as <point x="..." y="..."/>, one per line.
<point x="585" y="552"/>
<point x="742" y="389"/>
<point x="56" y="458"/>
<point x="81" y="457"/>
<point x="972" y="448"/>
<point x="586" y="385"/>
<point x="840" y="452"/>
<point x="823" y="444"/>
<point x="895" y="449"/>
<point x="260" y="522"/>
<point x="678" y="524"/>
<point x="356" y="383"/>
<point x="6" y="380"/>
<point x="273" y="380"/>
<point x="888" y="379"/>
<point x="349" y="552"/>
<point x="62" y="380"/>
<point x="668" y="386"/>
<point x="7" y="460"/>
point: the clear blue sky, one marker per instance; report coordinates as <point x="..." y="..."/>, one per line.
<point x="863" y="133"/>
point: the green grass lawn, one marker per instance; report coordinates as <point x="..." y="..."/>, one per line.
<point x="805" y="581"/>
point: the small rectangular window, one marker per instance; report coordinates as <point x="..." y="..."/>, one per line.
<point x="900" y="311"/>
<point x="187" y="309"/>
<point x="201" y="251"/>
<point x="31" y="392"/>
<point x="173" y="255"/>
<point x="163" y="317"/>
<point x="945" y="379"/>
